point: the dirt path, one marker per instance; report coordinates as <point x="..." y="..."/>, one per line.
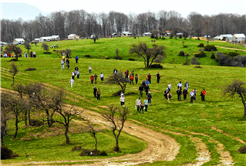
<point x="230" y="48"/>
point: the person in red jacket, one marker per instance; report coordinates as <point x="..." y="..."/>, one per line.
<point x="131" y="79"/>
<point x="203" y="93"/>
<point x="92" y="78"/>
<point x="149" y="78"/>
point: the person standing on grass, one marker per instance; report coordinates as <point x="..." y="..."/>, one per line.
<point x="95" y="91"/>
<point x="71" y="82"/>
<point x="158" y="77"/>
<point x="166" y="92"/>
<point x="115" y="70"/>
<point x="169" y="96"/>
<point x="98" y="94"/>
<point x="141" y="90"/>
<point x="90" y="69"/>
<point x="179" y="94"/>
<point x="31" y="54"/>
<point x="192" y="96"/>
<point x="187" y="85"/>
<point x="76" y="59"/>
<point x="136" y="79"/>
<point x="141" y="107"/>
<point x="149" y="78"/>
<point x="34" y="54"/>
<point x="62" y="64"/>
<point x="147" y="82"/>
<point x="138" y="104"/>
<point x="179" y="85"/>
<point x="92" y="79"/>
<point x="146" y="103"/>
<point x="25" y="54"/>
<point x="101" y="76"/>
<point x="73" y="74"/>
<point x="169" y="86"/>
<point x="203" y="93"/>
<point x="77" y="74"/>
<point x="144" y="84"/>
<point x="122" y="101"/>
<point x="126" y="74"/>
<point x="76" y="69"/>
<point x="95" y="78"/>
<point x="185" y="92"/>
<point x="63" y="55"/>
<point x="149" y="98"/>
<point x="147" y="89"/>
<point x="131" y="79"/>
<point x="67" y="63"/>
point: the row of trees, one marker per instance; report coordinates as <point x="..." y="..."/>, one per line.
<point x="85" y="24"/>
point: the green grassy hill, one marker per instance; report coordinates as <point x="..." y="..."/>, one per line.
<point x="105" y="47"/>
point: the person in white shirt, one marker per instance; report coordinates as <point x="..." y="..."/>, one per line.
<point x="25" y="54"/>
<point x="62" y="64"/>
<point x="101" y="76"/>
<point x="90" y="69"/>
<point x="180" y="85"/>
<point x="138" y="102"/>
<point x="192" y="96"/>
<point x="5" y="55"/>
<point x="122" y="101"/>
<point x="187" y="85"/>
<point x="71" y="82"/>
<point x="169" y="86"/>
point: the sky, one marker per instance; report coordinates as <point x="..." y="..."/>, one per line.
<point x="184" y="7"/>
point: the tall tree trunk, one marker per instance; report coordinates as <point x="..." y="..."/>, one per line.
<point x="16" y="125"/>
<point x="244" y="111"/>
<point x="13" y="79"/>
<point x="117" y="144"/>
<point x="26" y="117"/>
<point x="95" y="144"/>
<point x="29" y="117"/>
<point x="2" y="134"/>
<point x="66" y="134"/>
<point x="147" y="62"/>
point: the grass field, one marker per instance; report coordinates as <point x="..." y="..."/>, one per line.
<point x="218" y="112"/>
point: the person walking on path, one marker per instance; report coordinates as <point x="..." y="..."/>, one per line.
<point x="185" y="92"/>
<point x="144" y="84"/>
<point x="169" y="96"/>
<point x="98" y="94"/>
<point x="179" y="94"/>
<point x="76" y="59"/>
<point x="166" y="92"/>
<point x="141" y="90"/>
<point x="138" y="104"/>
<point x="203" y="93"/>
<point x="90" y="69"/>
<point x="179" y="85"/>
<point x="122" y="101"/>
<point x="136" y="79"/>
<point x="149" y="98"/>
<point x="141" y="107"/>
<point x="77" y="74"/>
<point x="149" y="78"/>
<point x="62" y="64"/>
<point x="187" y="85"/>
<point x="192" y="96"/>
<point x="169" y="86"/>
<point x="146" y="103"/>
<point x="158" y="77"/>
<point x="101" y="76"/>
<point x="71" y="82"/>
<point x="73" y="74"/>
<point x="131" y="79"/>
<point x="147" y="89"/>
<point x="67" y="63"/>
<point x="115" y="70"/>
<point x="92" y="79"/>
<point x="95" y="78"/>
<point x="95" y="91"/>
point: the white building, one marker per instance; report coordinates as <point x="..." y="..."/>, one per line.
<point x="49" y="38"/>
<point x="72" y="36"/>
<point x="239" y="37"/>
<point x="3" y="43"/>
<point x="18" y="41"/>
<point x="226" y="37"/>
<point x="126" y="33"/>
<point x="147" y="34"/>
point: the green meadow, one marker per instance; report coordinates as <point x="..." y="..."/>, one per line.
<point x="184" y="117"/>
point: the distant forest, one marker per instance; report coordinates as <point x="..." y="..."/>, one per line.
<point x="85" y="24"/>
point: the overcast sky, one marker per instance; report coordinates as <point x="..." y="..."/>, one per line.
<point x="184" y="7"/>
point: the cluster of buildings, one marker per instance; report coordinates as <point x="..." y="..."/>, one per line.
<point x="239" y="38"/>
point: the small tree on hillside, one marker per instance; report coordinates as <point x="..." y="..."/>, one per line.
<point x="194" y="61"/>
<point x="117" y="52"/>
<point x="186" y="56"/>
<point x="68" y="52"/>
<point x="13" y="48"/>
<point x="13" y="70"/>
<point x="27" y="45"/>
<point x="117" y="123"/>
<point x="118" y="79"/>
<point x="148" y="54"/>
<point x="237" y="87"/>
<point x="45" y="46"/>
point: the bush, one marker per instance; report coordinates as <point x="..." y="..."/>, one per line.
<point x="242" y="150"/>
<point x="156" y="66"/>
<point x="185" y="46"/>
<point x="118" y="58"/>
<point x="76" y="148"/>
<point x="194" y="61"/>
<point x="212" y="55"/>
<point x="102" y="153"/>
<point x="163" y="38"/>
<point x="85" y="152"/>
<point x="88" y="56"/>
<point x="35" y="122"/>
<point x="210" y="48"/>
<point x="158" y="59"/>
<point x="6" y="153"/>
<point x="152" y="35"/>
<point x="198" y="67"/>
<point x="30" y="69"/>
<point x="232" y="54"/>
<point x="181" y="53"/>
<point x="130" y="59"/>
<point x="200" y="45"/>
<point x="186" y="63"/>
<point x="116" y="149"/>
<point x="117" y="93"/>
<point x="200" y="55"/>
<point x="47" y="52"/>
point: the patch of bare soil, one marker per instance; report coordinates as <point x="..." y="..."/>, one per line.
<point x="230" y="48"/>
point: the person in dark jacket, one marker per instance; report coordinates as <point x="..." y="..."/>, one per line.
<point x="149" y="98"/>
<point x="141" y="90"/>
<point x="185" y="93"/>
<point x="149" y="78"/>
<point x="76" y="59"/>
<point x="95" y="78"/>
<point x="158" y="77"/>
<point x="147" y="89"/>
<point x="95" y="91"/>
<point x="136" y="78"/>
<point x="179" y="94"/>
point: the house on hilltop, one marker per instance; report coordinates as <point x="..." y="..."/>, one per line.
<point x="225" y="37"/>
<point x="239" y="38"/>
<point x="18" y="41"/>
<point x="147" y="34"/>
<point x="72" y="36"/>
<point x="126" y="33"/>
<point x="49" y="38"/>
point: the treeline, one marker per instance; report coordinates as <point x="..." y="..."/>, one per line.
<point x="85" y="24"/>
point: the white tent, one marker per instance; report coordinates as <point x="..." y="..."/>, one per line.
<point x="239" y="37"/>
<point x="55" y="37"/>
<point x="147" y="34"/>
<point x="18" y="41"/>
<point x="49" y="38"/>
<point x="126" y="33"/>
<point x="72" y="36"/>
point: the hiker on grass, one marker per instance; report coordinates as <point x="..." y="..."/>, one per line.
<point x="115" y="70"/>
<point x="146" y="103"/>
<point x="90" y="69"/>
<point x="126" y="74"/>
<point x="136" y="78"/>
<point x="187" y="85"/>
<point x="192" y="96"/>
<point x="203" y="93"/>
<point x="169" y="86"/>
<point x="73" y="74"/>
<point x="138" y="104"/>
<point x="76" y="59"/>
<point x="141" y="90"/>
<point x="179" y="94"/>
<point x="149" y="98"/>
<point x="185" y="92"/>
<point x="169" y="96"/>
<point x="158" y="77"/>
<point x="122" y="101"/>
<point x="62" y="64"/>
<point x="95" y="78"/>
<point x="131" y="79"/>
<point x="147" y="89"/>
<point x="166" y="92"/>
<point x="67" y="63"/>
<point x="77" y="74"/>
<point x="179" y="85"/>
<point x="141" y="107"/>
<point x="71" y="82"/>
<point x="144" y="84"/>
<point x="92" y="79"/>
<point x="76" y="69"/>
<point x="98" y="94"/>
<point x="95" y="91"/>
<point x="149" y="78"/>
<point x="101" y="76"/>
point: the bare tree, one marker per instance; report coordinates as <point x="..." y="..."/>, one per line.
<point x="13" y="48"/>
<point x="117" y="122"/>
<point x="117" y="52"/>
<point x="13" y="70"/>
<point x="237" y="87"/>
<point x="148" y="54"/>
<point x="194" y="61"/>
<point x="45" y="47"/>
<point x="118" y="79"/>
<point x="27" y="45"/>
